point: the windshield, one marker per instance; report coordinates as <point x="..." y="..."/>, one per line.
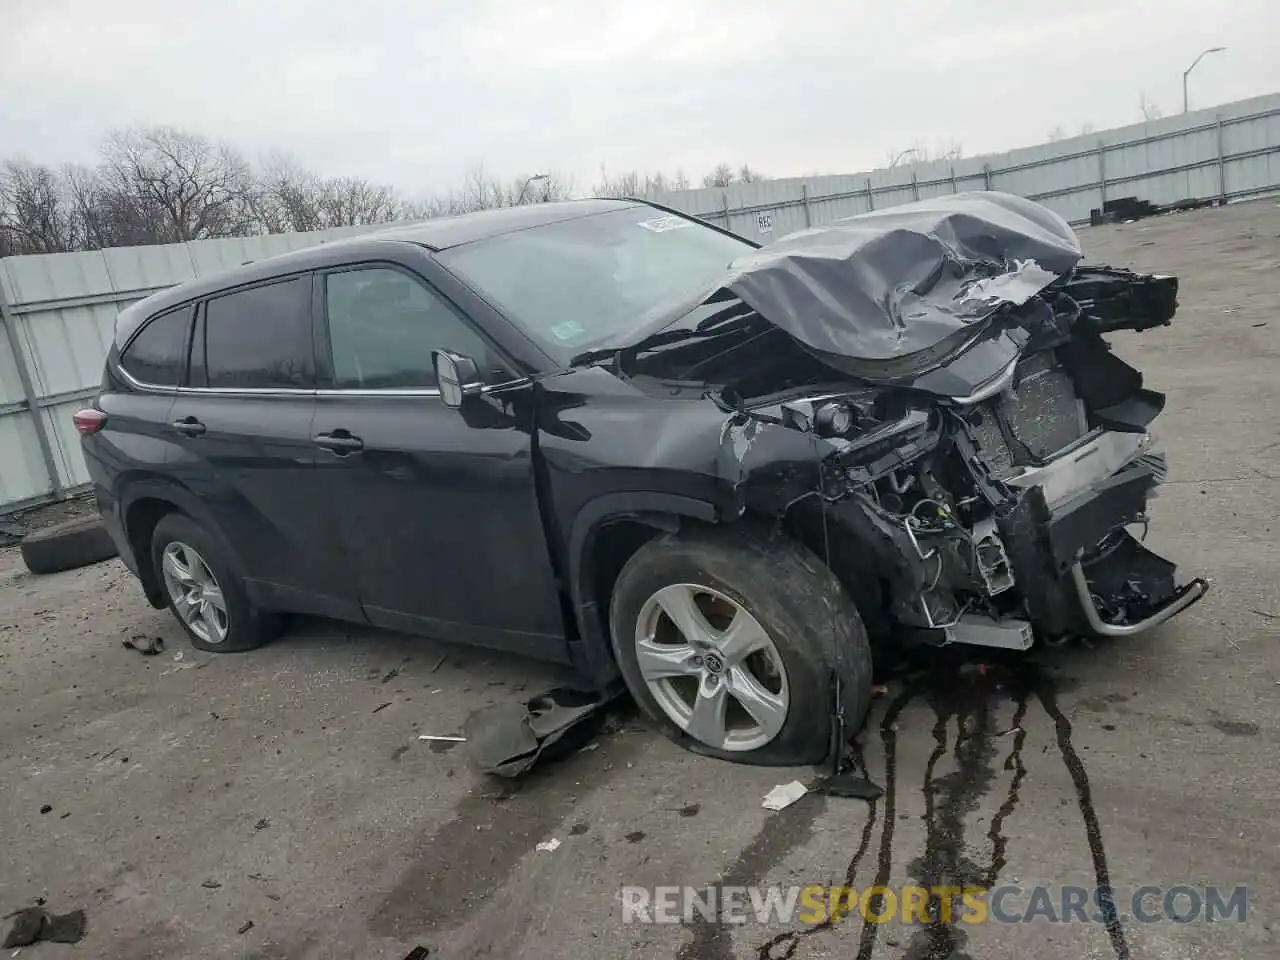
<point x="581" y="283"/>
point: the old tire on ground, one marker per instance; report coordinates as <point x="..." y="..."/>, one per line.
<point x="65" y="546"/>
<point x="203" y="591"/>
<point x="766" y="616"/>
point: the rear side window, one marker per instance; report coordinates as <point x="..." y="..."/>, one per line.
<point x="158" y="354"/>
<point x="260" y="338"/>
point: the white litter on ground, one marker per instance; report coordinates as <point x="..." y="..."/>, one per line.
<point x="784" y="795"/>
<point x="428" y="736"/>
<point x="549" y="846"/>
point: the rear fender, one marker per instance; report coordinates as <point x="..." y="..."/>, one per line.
<point x="183" y="500"/>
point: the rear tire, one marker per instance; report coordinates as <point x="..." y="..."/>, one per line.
<point x="202" y="590"/>
<point x="739" y="585"/>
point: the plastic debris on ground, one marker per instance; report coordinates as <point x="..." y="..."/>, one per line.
<point x="507" y="738"/>
<point x="429" y="736"/>
<point x="549" y="846"/>
<point x="784" y="795"/>
<point x="147" y="646"/>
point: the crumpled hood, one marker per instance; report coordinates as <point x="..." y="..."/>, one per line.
<point x="886" y="285"/>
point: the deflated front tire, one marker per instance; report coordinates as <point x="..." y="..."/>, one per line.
<point x="728" y="640"/>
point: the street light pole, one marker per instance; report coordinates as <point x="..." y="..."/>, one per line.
<point x="1187" y="72"/>
<point x="524" y="189"/>
<point x="894" y="162"/>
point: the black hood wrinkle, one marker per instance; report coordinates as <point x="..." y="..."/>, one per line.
<point x="883" y="286"/>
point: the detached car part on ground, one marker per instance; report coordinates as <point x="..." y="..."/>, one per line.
<point x="902" y="428"/>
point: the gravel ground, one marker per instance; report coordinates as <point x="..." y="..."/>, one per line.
<point x="190" y="796"/>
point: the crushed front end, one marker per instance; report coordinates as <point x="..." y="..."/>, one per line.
<point x="935" y="377"/>
<point x="1011" y="513"/>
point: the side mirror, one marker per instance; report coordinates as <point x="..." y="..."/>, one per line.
<point x="456" y="375"/>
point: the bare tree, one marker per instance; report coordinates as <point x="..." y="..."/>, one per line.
<point x="1150" y="109"/>
<point x="1057" y="133"/>
<point x="921" y="152"/>
<point x="181" y="183"/>
<point x="721" y="176"/>
<point x="480" y="190"/>
<point x="285" y="197"/>
<point x="1086" y="128"/>
<point x="352" y="201"/>
<point x="633" y="183"/>
<point x="747" y="175"/>
<point x="35" y="215"/>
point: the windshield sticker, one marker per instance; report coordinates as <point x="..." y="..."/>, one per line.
<point x="663" y="224"/>
<point x="569" y="330"/>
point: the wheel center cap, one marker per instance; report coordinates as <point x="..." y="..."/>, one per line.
<point x="713" y="663"/>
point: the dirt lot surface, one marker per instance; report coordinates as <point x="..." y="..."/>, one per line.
<point x="191" y="795"/>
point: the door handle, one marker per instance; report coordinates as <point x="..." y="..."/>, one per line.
<point x="339" y="442"/>
<point x="188" y="426"/>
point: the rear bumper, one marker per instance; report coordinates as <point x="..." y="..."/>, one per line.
<point x="113" y="522"/>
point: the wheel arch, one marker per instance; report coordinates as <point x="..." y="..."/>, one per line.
<point x="143" y="503"/>
<point x="605" y="534"/>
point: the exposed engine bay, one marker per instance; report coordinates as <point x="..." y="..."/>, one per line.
<point x="1014" y="513"/>
<point x="982" y="454"/>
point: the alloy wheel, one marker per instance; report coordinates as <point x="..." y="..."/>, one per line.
<point x="195" y="592"/>
<point x="711" y="667"/>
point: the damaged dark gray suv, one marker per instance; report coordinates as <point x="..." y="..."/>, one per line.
<point x="607" y="434"/>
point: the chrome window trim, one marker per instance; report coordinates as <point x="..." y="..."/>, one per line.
<point x="224" y="391"/>
<point x="308" y="391"/>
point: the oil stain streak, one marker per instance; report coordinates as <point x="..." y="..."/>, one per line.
<point x="783" y="832"/>
<point x="884" y="857"/>
<point x="966" y="701"/>
<point x="999" y="842"/>
<point x="783" y="946"/>
<point x="456" y="868"/>
<point x="1093" y="831"/>
<point x="948" y="800"/>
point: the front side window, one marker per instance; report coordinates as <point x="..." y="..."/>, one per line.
<point x="384" y="326"/>
<point x="260" y="338"/>
<point x="158" y="354"/>
<point x="583" y="282"/>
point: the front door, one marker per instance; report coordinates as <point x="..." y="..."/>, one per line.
<point x="438" y="507"/>
<point x="244" y="446"/>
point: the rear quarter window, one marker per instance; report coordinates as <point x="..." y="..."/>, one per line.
<point x="157" y="355"/>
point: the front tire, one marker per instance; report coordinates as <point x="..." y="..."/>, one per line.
<point x="727" y="641"/>
<point x="203" y="591"/>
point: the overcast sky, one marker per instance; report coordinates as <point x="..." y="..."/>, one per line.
<point x="414" y="92"/>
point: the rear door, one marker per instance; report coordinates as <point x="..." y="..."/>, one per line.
<point x="438" y="506"/>
<point x="244" y="431"/>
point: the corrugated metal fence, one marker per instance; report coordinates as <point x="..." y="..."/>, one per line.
<point x="58" y="310"/>
<point x="1228" y="152"/>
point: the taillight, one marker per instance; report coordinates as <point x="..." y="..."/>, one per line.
<point x="89" y="420"/>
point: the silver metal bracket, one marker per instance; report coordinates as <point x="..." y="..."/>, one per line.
<point x="990" y="557"/>
<point x="982" y="631"/>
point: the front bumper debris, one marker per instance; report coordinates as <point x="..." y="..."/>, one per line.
<point x="1182" y="598"/>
